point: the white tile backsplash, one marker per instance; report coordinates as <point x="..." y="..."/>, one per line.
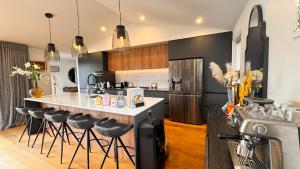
<point x="144" y="78"/>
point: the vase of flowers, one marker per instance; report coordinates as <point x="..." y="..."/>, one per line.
<point x="251" y="83"/>
<point x="229" y="79"/>
<point x="31" y="71"/>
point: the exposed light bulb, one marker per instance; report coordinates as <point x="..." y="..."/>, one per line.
<point x="199" y="21"/>
<point x="51" y="53"/>
<point x="142" y="17"/>
<point x="122" y="41"/>
<point x="103" y="28"/>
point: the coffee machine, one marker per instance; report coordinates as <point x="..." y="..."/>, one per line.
<point x="262" y="143"/>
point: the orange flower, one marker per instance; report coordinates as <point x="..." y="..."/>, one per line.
<point x="230" y="108"/>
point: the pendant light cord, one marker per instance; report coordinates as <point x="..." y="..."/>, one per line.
<point x="50" y="30"/>
<point x="120" y="12"/>
<point x="78" y="29"/>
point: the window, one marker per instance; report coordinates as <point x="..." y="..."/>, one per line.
<point x="238" y="53"/>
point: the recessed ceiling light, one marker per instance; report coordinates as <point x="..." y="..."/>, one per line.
<point x="103" y="28"/>
<point x="199" y="20"/>
<point x="142" y="17"/>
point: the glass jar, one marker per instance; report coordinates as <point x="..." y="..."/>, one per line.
<point x="106" y="99"/>
<point x="120" y="101"/>
<point x="36" y="91"/>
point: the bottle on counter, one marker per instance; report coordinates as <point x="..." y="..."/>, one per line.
<point x="106" y="99"/>
<point x="120" y="101"/>
<point x="113" y="100"/>
<point x="108" y="85"/>
<point x="98" y="100"/>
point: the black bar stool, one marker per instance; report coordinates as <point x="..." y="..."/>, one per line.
<point x="24" y="111"/>
<point x="60" y="117"/>
<point x="39" y="114"/>
<point x="114" y="129"/>
<point x="85" y="122"/>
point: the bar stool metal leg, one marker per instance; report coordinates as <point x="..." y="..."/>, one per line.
<point x="116" y="153"/>
<point x="26" y="127"/>
<point x="62" y="143"/>
<point x="97" y="140"/>
<point x="50" y="126"/>
<point x="38" y="133"/>
<point x="79" y="143"/>
<point x="106" y="154"/>
<point x="29" y="131"/>
<point x="124" y="147"/>
<point x="54" y="139"/>
<point x="44" y="128"/>
<point x="88" y="148"/>
<point x="72" y="132"/>
<point x="65" y="128"/>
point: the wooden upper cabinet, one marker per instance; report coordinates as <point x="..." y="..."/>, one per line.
<point x="149" y="57"/>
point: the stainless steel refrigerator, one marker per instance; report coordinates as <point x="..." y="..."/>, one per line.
<point x="186" y="90"/>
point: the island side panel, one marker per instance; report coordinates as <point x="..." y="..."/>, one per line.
<point x="156" y="111"/>
<point x="128" y="138"/>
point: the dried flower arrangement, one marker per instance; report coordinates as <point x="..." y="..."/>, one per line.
<point x="228" y="79"/>
<point x="249" y="84"/>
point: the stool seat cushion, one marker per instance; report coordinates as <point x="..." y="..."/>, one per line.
<point x="112" y="128"/>
<point x="81" y="121"/>
<point x="22" y="110"/>
<point x="57" y="116"/>
<point x="39" y="112"/>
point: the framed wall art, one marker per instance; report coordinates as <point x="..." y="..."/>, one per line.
<point x="297" y="20"/>
<point x="42" y="65"/>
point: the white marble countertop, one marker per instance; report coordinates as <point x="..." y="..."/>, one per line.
<point x="82" y="101"/>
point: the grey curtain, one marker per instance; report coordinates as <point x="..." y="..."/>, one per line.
<point x="13" y="90"/>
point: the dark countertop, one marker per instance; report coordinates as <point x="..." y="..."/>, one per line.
<point x="217" y="152"/>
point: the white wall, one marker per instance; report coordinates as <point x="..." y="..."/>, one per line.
<point x="141" y="34"/>
<point x="37" y="54"/>
<point x="144" y="78"/>
<point x="284" y="58"/>
<point x="66" y="63"/>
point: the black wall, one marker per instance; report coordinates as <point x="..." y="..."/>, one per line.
<point x="212" y="48"/>
<point x="90" y="63"/>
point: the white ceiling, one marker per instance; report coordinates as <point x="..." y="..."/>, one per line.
<point x="23" y="21"/>
<point x="215" y="13"/>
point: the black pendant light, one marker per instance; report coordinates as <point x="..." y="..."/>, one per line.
<point x="120" y="35"/>
<point x="51" y="52"/>
<point x="78" y="46"/>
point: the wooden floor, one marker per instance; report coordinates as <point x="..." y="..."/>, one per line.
<point x="186" y="151"/>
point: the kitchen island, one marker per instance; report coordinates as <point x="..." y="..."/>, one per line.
<point x="81" y="103"/>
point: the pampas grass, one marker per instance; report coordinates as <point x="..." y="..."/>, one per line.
<point x="229" y="67"/>
<point x="248" y="68"/>
<point x="217" y="73"/>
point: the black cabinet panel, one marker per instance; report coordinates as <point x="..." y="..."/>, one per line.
<point x="204" y="111"/>
<point x="219" y="50"/>
<point x="159" y="94"/>
<point x="214" y="99"/>
<point x="88" y="64"/>
<point x="186" y="48"/>
<point x="212" y="48"/>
